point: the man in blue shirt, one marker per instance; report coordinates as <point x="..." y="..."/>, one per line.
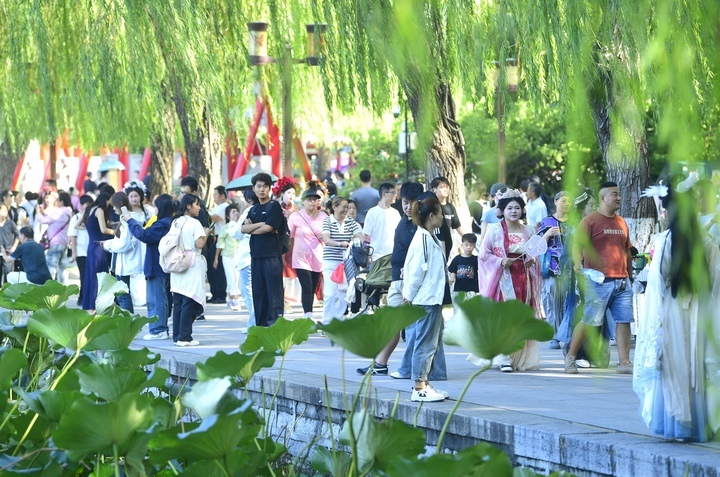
<point x="32" y="256"/>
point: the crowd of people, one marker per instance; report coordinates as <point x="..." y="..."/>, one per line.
<point x="264" y="249"/>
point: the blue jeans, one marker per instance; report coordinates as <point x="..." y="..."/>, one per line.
<point x="124" y="301"/>
<point x="614" y="295"/>
<point x="425" y="355"/>
<point x="157" y="303"/>
<point x="55" y="258"/>
<point x="246" y="292"/>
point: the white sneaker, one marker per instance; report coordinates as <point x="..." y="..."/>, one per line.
<point x="187" y="343"/>
<point x="439" y="391"/>
<point x="582" y="363"/>
<point x="163" y="335"/>
<point x="243" y="331"/>
<point x="426" y="394"/>
<point x="397" y="375"/>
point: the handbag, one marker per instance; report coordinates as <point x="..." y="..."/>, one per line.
<point x="338" y="275"/>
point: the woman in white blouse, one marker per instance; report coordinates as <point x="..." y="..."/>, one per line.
<point x="188" y="287"/>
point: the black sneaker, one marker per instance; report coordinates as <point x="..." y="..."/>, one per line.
<point x="381" y="369"/>
<point x="200" y="318"/>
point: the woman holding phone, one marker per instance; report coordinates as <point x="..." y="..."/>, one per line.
<point x="95" y="220"/>
<point x="126" y="250"/>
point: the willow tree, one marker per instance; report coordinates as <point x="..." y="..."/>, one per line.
<point x="108" y="73"/>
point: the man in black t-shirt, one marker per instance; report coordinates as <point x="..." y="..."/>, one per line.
<point x="32" y="256"/>
<point x="266" y="265"/>
<point x="441" y="188"/>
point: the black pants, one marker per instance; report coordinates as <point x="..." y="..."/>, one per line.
<point x="185" y="309"/>
<point x="267" y="288"/>
<point x="216" y="276"/>
<point x="308" y="283"/>
<point x="81" y="268"/>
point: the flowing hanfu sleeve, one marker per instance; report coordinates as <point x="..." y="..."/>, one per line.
<point x="534" y="279"/>
<point x="490" y="259"/>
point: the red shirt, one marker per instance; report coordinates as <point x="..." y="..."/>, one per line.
<point x="604" y="242"/>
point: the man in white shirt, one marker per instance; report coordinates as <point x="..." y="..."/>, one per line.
<point x="381" y="222"/>
<point x="536" y="209"/>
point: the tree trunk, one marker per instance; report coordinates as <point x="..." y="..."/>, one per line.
<point x="203" y="149"/>
<point x="446" y="154"/>
<point x="163" y="152"/>
<point x="8" y="162"/>
<point x="625" y="159"/>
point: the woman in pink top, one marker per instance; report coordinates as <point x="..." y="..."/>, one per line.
<point x="56" y="212"/>
<point x="305" y="227"/>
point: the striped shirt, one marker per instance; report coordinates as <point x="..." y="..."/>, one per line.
<point x="339" y="234"/>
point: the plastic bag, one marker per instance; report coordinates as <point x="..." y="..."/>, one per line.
<point x="338" y="275"/>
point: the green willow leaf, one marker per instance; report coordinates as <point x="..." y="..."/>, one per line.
<point x="367" y="335"/>
<point x="281" y="336"/>
<point x="487" y="328"/>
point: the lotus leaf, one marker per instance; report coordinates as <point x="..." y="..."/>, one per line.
<point x="235" y="364"/>
<point x="281" y="336"/>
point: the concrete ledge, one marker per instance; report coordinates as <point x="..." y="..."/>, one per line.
<point x="304" y="409"/>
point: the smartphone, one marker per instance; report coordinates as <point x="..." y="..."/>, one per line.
<point x="124" y="210"/>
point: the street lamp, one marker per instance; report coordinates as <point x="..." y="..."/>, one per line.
<point x="404" y="143"/>
<point x="511" y="77"/>
<point x="257" y="49"/>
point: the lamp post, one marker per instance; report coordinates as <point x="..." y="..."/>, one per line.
<point x="404" y="139"/>
<point x="257" y="49"/>
<point x="511" y="77"/>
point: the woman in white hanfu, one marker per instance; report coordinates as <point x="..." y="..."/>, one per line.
<point x="677" y="359"/>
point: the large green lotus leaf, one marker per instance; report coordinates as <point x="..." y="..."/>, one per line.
<point x="108" y="288"/>
<point x="487" y="328"/>
<point x="281" y="336"/>
<point x="88" y="427"/>
<point x="40" y="429"/>
<point x="214" y="438"/>
<point x="110" y="382"/>
<point x="64" y="326"/>
<point x="333" y="462"/>
<point x="244" y="461"/>
<point x="480" y="460"/>
<point x="125" y="330"/>
<point x="131" y="358"/>
<point x="235" y="364"/>
<point x="12" y="360"/>
<point x="41" y="465"/>
<point x="52" y="295"/>
<point x="51" y="404"/>
<point x="18" y="334"/>
<point x="367" y="335"/>
<point x="164" y="412"/>
<point x="379" y="443"/>
<point x="10" y="297"/>
<point x="204" y="396"/>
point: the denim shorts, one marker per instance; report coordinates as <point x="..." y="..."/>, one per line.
<point x="609" y="295"/>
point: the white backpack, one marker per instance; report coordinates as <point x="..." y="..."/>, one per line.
<point x="173" y="256"/>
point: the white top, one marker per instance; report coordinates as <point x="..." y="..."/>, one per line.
<point x="129" y="257"/>
<point x="424" y="272"/>
<point x="242" y="252"/>
<point x="191" y="282"/>
<point x="536" y="210"/>
<point x="81" y="235"/>
<point x="380" y="225"/>
<point x="219" y="210"/>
